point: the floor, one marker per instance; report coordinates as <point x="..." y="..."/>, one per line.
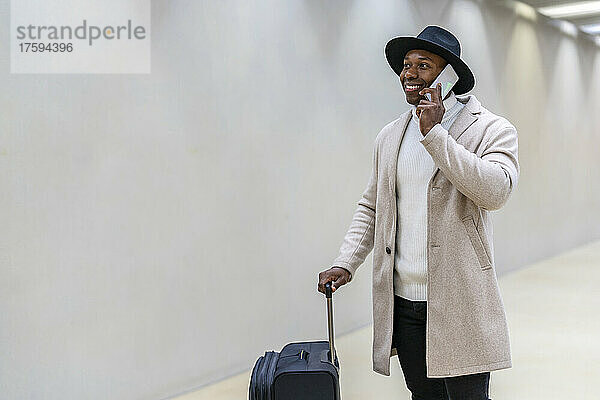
<point x="553" y="310"/>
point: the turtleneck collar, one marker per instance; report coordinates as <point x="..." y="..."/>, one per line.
<point x="448" y="104"/>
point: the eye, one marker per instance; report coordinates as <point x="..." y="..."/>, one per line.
<point x="422" y="65"/>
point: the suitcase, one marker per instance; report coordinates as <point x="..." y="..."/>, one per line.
<point x="301" y="371"/>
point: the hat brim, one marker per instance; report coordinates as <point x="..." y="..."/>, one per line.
<point x="396" y="49"/>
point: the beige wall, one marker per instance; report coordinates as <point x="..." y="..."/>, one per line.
<point x="162" y="231"/>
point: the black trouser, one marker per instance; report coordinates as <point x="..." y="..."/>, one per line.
<point x="409" y="339"/>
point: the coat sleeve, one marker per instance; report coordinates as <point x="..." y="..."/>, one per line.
<point x="487" y="180"/>
<point x="358" y="241"/>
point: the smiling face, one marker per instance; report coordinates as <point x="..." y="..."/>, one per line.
<point x="421" y="67"/>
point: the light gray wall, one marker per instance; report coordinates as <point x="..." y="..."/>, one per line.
<point x="162" y="231"/>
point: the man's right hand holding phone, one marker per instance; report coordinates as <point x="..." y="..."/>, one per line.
<point x="339" y="276"/>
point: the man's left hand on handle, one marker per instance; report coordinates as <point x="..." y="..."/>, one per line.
<point x="431" y="112"/>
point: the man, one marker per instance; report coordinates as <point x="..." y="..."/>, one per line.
<point x="438" y="171"/>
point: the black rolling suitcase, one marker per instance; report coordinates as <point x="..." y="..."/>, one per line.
<point x="301" y="371"/>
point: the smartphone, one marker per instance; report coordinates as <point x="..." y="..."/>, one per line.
<point x="447" y="78"/>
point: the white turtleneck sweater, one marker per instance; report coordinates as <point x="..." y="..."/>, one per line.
<point x="414" y="170"/>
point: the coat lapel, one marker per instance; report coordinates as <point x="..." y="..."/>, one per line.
<point x="466" y="117"/>
<point x="395" y="146"/>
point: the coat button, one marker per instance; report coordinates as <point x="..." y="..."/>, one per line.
<point x="388" y="250"/>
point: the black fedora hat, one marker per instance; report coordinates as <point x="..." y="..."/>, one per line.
<point x="438" y="41"/>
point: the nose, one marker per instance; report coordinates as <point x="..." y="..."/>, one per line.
<point x="411" y="73"/>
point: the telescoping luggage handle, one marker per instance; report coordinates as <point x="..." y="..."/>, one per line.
<point x="328" y="294"/>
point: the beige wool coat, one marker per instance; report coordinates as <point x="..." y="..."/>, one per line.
<point x="477" y="170"/>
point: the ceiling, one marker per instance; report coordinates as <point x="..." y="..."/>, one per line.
<point x="579" y="21"/>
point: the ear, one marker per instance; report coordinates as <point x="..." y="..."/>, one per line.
<point x="442" y="66"/>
